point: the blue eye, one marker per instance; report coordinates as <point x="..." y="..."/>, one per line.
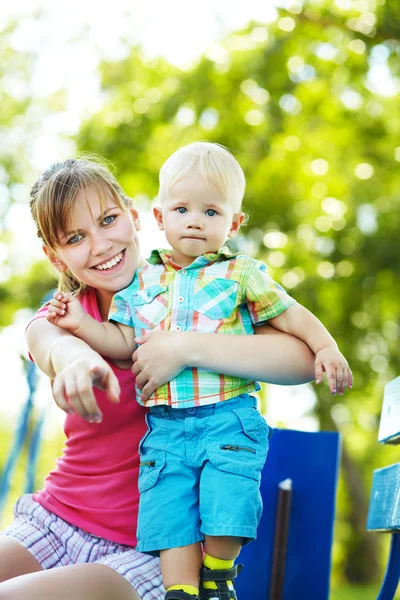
<point x="211" y="212"/>
<point x="181" y="210"/>
<point x="75" y="238"/>
<point x="109" y="219"/>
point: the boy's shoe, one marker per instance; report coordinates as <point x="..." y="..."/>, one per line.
<point x="180" y="595"/>
<point x="220" y="576"/>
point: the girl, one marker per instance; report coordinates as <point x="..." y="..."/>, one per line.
<point x="84" y="519"/>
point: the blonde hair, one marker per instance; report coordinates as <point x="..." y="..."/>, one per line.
<point x="53" y="197"/>
<point x="214" y="162"/>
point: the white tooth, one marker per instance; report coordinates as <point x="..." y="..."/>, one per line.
<point x="110" y="263"/>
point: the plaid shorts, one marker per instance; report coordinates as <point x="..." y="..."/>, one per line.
<point x="56" y="543"/>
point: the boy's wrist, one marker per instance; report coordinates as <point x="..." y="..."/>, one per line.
<point x="82" y="327"/>
<point x="328" y="346"/>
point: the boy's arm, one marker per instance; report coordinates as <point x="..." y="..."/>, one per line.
<point x="268" y="301"/>
<point x="114" y="340"/>
<point x="299" y="321"/>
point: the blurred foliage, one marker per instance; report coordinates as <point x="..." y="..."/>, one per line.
<point x="26" y="291"/>
<point x="308" y="105"/>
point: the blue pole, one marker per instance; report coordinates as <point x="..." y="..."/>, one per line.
<point x="20" y="435"/>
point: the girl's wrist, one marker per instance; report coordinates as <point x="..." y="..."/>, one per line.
<point x="191" y="349"/>
<point x="66" y="349"/>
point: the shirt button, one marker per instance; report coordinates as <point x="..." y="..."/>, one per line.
<point x="184" y="272"/>
<point x="191" y="411"/>
<point x="180" y="298"/>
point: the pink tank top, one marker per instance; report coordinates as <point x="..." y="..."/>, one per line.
<point x="94" y="485"/>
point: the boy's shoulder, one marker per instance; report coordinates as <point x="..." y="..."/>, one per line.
<point x="241" y="260"/>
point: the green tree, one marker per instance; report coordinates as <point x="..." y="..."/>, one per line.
<point x="301" y="106"/>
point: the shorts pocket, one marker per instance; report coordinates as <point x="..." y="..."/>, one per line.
<point x="217" y="298"/>
<point x="150" y="469"/>
<point x="146" y="435"/>
<point x="152" y="452"/>
<point x="242" y="451"/>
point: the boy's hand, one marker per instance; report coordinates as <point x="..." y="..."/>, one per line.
<point x="158" y="359"/>
<point x="337" y="370"/>
<point x="65" y="311"/>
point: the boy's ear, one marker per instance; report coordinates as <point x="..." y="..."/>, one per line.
<point x="54" y="259"/>
<point x="236" y="223"/>
<point x="157" y="212"/>
<point x="136" y="220"/>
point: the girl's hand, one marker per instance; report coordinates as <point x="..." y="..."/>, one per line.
<point x="73" y="386"/>
<point x="159" y="358"/>
<point x="65" y="311"/>
<point x="337" y="370"/>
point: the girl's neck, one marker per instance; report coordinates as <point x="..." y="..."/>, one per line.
<point x="104" y="298"/>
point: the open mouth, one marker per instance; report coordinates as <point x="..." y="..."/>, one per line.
<point x="111" y="264"/>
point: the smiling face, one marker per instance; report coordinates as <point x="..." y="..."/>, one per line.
<point x="100" y="246"/>
<point x="196" y="217"/>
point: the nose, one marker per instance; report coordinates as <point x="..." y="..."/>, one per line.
<point x="195" y="224"/>
<point x="100" y="243"/>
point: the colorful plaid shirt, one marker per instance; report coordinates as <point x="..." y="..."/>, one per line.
<point x="220" y="292"/>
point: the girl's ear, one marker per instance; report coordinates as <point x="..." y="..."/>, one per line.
<point x="157" y="212"/>
<point x="54" y="259"/>
<point x="136" y="220"/>
<point x="236" y="223"/>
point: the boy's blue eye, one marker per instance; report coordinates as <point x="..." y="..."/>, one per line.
<point x="181" y="210"/>
<point x="211" y="212"/>
<point x="109" y="219"/>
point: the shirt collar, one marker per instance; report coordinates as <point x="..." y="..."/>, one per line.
<point x="163" y="256"/>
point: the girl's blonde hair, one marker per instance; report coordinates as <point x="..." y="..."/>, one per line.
<point x="214" y="162"/>
<point x="53" y="197"/>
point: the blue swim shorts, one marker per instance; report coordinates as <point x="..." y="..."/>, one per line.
<point x="200" y="473"/>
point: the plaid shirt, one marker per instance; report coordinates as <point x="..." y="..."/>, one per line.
<point x="221" y="292"/>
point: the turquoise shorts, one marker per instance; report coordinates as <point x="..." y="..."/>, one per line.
<point x="200" y="473"/>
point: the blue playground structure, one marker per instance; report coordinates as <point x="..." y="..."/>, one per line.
<point x="22" y="437"/>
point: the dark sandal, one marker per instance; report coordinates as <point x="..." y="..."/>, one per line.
<point x="180" y="595"/>
<point x="220" y="577"/>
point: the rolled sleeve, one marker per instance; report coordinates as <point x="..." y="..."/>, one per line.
<point x="265" y="298"/>
<point x="120" y="310"/>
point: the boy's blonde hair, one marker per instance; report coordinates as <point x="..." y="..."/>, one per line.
<point x="214" y="162"/>
<point x="53" y="197"/>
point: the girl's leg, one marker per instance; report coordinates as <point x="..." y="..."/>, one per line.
<point x="15" y="560"/>
<point x="80" y="582"/>
<point x="181" y="566"/>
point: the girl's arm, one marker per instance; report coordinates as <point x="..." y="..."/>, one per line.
<point x="268" y="356"/>
<point x="74" y="368"/>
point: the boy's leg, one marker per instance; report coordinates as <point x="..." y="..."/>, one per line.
<point x="15" y="560"/>
<point x="230" y="499"/>
<point x="80" y="582"/>
<point x="219" y="571"/>
<point x="180" y="569"/>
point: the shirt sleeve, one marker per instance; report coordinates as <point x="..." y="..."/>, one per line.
<point x="265" y="298"/>
<point x="120" y="310"/>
